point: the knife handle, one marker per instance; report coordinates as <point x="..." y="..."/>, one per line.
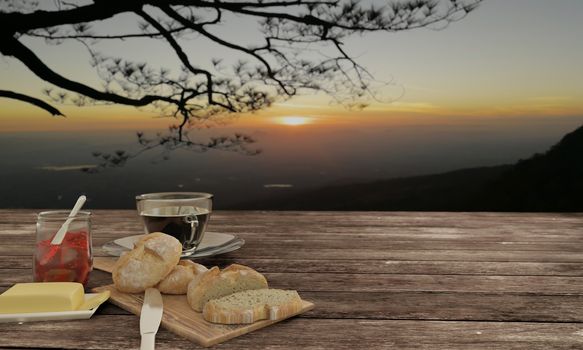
<point x="148" y="341"/>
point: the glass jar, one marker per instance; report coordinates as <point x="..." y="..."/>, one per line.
<point x="72" y="260"/>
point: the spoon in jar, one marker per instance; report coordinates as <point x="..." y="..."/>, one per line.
<point x="58" y="238"/>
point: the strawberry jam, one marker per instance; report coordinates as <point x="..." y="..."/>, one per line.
<point x="68" y="262"/>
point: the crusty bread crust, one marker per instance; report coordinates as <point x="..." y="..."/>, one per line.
<point x="236" y="268"/>
<point x="215" y="284"/>
<point x="152" y="259"/>
<point x="216" y="313"/>
<point x="178" y="279"/>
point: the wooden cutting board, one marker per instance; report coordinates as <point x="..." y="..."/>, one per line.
<point x="179" y="318"/>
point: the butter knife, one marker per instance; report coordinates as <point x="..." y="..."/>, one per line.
<point x="150" y="318"/>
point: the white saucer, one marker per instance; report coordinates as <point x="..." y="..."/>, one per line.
<point x="50" y="316"/>
<point x="213" y="243"/>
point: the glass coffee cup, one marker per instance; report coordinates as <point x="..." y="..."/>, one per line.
<point x="183" y="215"/>
<point x="70" y="261"/>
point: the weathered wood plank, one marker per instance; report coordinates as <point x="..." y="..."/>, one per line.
<point x="407" y="267"/>
<point x="120" y="332"/>
<point x="373" y="266"/>
<point x="381" y="242"/>
<point x="430" y="283"/>
<point x="389" y="243"/>
<point x="370" y="254"/>
<point x="426" y="237"/>
<point x="409" y="255"/>
<point x="445" y="223"/>
<point x="436" y="306"/>
<point x="334" y="282"/>
<point x="25" y="244"/>
<point x="446" y="306"/>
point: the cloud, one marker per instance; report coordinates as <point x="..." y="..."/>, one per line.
<point x="67" y="167"/>
<point x="278" y="185"/>
<point x="550" y="99"/>
<point x="301" y="105"/>
<point x="398" y="106"/>
<point x="540" y="105"/>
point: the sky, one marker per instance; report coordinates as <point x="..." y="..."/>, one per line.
<point x="507" y="58"/>
<point x="499" y="85"/>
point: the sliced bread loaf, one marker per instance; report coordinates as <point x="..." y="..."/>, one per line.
<point x="253" y="305"/>
<point x="215" y="284"/>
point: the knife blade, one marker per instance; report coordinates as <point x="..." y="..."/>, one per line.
<point x="150" y="318"/>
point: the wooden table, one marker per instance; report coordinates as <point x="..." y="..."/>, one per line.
<point x="379" y="280"/>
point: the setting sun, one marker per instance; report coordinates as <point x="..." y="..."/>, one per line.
<point x="294" y="120"/>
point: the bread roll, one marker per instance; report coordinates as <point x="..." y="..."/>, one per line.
<point x="215" y="284"/>
<point x="181" y="275"/>
<point x="152" y="258"/>
<point x="253" y="305"/>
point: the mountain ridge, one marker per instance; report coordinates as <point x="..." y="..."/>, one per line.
<point x="550" y="181"/>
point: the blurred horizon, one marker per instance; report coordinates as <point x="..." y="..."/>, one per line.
<point x="47" y="173"/>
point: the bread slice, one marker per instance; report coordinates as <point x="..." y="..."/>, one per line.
<point x="253" y="305"/>
<point x="215" y="284"/>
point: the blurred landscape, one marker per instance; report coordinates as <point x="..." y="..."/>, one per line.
<point x="392" y="168"/>
<point x="547" y="182"/>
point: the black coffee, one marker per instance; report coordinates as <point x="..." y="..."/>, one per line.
<point x="179" y="222"/>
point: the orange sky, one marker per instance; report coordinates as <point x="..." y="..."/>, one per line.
<point x="506" y="59"/>
<point x="301" y="111"/>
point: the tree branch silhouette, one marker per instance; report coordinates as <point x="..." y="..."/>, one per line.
<point x="32" y="100"/>
<point x="301" y="49"/>
<point x="13" y="47"/>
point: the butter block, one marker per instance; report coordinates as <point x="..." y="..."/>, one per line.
<point x="42" y="297"/>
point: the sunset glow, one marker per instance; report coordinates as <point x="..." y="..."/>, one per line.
<point x="294" y="120"/>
